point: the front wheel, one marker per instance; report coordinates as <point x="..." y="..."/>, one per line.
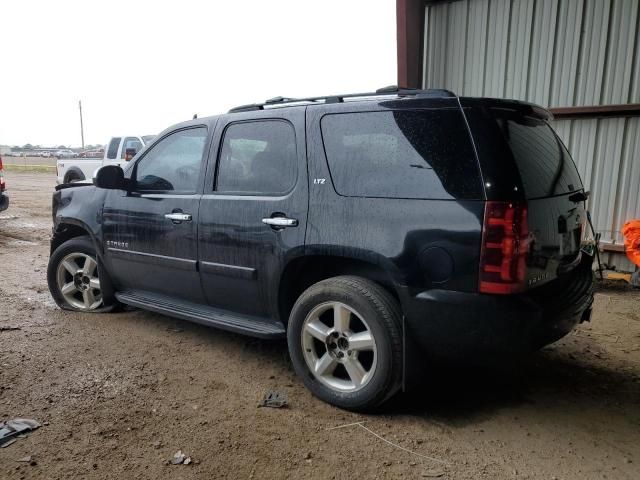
<point x="345" y="342"/>
<point x="74" y="278"/>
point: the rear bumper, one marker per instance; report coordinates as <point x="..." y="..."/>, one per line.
<point x="456" y="324"/>
<point x="4" y="201"/>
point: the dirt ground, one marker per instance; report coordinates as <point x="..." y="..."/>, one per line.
<point x="119" y="394"/>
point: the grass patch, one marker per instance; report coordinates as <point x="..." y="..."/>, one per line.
<point x="30" y="168"/>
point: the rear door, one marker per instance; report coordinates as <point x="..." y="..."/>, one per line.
<point x="151" y="232"/>
<point x="523" y="159"/>
<point x="253" y="213"/>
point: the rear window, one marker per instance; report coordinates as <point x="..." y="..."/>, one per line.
<point x="401" y="154"/>
<point x="545" y="166"/>
<point x="112" y="151"/>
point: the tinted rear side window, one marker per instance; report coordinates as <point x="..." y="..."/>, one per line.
<point x="258" y="157"/>
<point x="545" y="166"/>
<point x="401" y="154"/>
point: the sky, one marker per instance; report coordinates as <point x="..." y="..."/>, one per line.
<point x="141" y="66"/>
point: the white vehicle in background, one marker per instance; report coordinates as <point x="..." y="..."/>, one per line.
<point x="119" y="151"/>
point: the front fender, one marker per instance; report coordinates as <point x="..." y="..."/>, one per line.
<point x="81" y="207"/>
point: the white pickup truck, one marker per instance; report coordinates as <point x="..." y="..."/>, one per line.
<point x="118" y="152"/>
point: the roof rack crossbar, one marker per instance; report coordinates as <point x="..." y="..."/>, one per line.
<point x="386" y="91"/>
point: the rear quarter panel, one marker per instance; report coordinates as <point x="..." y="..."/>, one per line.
<point x="421" y="244"/>
<point x="85" y="165"/>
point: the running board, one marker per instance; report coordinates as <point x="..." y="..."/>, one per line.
<point x="203" y="314"/>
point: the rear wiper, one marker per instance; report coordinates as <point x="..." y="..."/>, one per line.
<point x="579" y="197"/>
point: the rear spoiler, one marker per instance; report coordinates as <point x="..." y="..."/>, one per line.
<point x="524" y="108"/>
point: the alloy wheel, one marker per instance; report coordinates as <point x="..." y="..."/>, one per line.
<point x="339" y="347"/>
<point x="77" y="278"/>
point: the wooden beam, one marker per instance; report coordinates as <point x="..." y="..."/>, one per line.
<point x="612" y="247"/>
<point x="410" y="31"/>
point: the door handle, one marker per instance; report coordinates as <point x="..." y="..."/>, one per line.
<point x="178" y="217"/>
<point x="280" y="222"/>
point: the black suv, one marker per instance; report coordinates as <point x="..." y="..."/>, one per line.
<point x="357" y="226"/>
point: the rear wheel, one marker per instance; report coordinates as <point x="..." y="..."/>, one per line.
<point x="71" y="177"/>
<point x="75" y="280"/>
<point x="345" y="342"/>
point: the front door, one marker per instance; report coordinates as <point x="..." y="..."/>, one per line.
<point x="150" y="232"/>
<point x="253" y="212"/>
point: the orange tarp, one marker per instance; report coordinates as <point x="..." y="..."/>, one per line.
<point x="631" y="232"/>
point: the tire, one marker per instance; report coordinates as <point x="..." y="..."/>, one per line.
<point x="373" y="320"/>
<point x="71" y="178"/>
<point x="79" y="255"/>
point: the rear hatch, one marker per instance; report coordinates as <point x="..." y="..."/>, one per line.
<point x="535" y="214"/>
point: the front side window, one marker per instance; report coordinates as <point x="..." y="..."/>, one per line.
<point x="173" y="164"/>
<point x="112" y="151"/>
<point x="258" y="157"/>
<point x="425" y="154"/>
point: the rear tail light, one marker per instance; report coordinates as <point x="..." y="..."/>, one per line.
<point x="505" y="244"/>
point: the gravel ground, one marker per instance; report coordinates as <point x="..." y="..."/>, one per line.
<point x="121" y="393"/>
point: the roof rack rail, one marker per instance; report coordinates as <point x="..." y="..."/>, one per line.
<point x="385" y="91"/>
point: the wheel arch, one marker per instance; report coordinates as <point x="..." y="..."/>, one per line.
<point x="76" y="172"/>
<point x="71" y="229"/>
<point x="303" y="271"/>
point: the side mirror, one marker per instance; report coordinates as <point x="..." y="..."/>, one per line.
<point x="110" y="177"/>
<point x="129" y="153"/>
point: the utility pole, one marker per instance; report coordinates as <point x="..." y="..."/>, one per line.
<point x="81" y="126"/>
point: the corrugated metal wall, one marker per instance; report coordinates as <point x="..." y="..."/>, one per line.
<point x="554" y="53"/>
